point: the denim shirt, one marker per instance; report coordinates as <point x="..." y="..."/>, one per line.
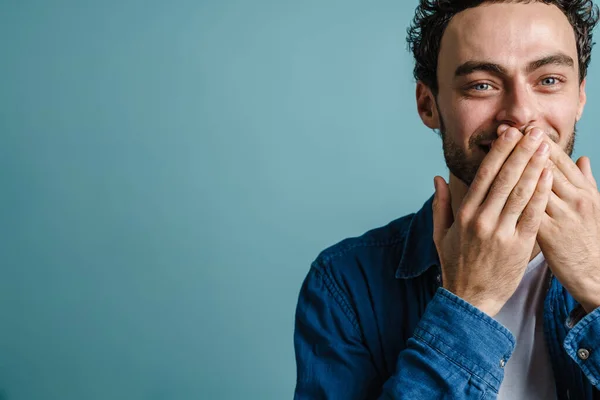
<point x="373" y="322"/>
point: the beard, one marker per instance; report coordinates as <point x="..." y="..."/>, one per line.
<point x="465" y="166"/>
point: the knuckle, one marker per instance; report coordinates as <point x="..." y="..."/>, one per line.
<point x="542" y="193"/>
<point x="484" y="173"/>
<point x="528" y="222"/>
<point x="519" y="196"/>
<point x="481" y="226"/>
<point x="462" y="216"/>
<point x="582" y="204"/>
<point x="478" y="185"/>
<point x="503" y="237"/>
<point x="540" y="160"/>
<point x="527" y="215"/>
<point x="528" y="226"/>
<point x="502" y="185"/>
<point x="502" y="178"/>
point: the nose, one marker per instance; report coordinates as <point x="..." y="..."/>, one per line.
<point x="519" y="107"/>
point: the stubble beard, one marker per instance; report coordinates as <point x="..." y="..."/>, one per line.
<point x="465" y="166"/>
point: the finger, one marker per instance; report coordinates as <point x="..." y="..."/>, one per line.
<point x="561" y="185"/>
<point x="511" y="173"/>
<point x="556" y="207"/>
<point x="546" y="230"/>
<point x="564" y="163"/>
<point x="532" y="215"/>
<point x="524" y="189"/>
<point x="489" y="168"/>
<point x="585" y="166"/>
<point x="442" y="209"/>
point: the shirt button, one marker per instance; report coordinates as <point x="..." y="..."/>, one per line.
<point x="502" y="363"/>
<point x="583" y="354"/>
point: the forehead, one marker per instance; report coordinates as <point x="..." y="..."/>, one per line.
<point x="510" y="34"/>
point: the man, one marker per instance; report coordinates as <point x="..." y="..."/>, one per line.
<point x="492" y="289"/>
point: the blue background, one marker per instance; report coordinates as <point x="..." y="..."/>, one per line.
<point x="168" y="172"/>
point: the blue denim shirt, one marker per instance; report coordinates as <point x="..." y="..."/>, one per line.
<point x="373" y="322"/>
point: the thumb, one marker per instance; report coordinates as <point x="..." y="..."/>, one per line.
<point x="442" y="209"/>
<point x="586" y="168"/>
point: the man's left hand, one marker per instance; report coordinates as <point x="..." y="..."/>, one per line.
<point x="569" y="235"/>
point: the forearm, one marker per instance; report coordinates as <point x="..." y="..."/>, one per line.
<point x="456" y="351"/>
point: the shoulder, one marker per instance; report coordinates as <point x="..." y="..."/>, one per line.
<point x="366" y="259"/>
<point x="354" y="278"/>
<point x="376" y="240"/>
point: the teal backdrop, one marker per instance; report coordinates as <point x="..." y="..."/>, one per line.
<point x="169" y="170"/>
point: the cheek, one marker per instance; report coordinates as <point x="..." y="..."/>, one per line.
<point x="466" y="118"/>
<point x="561" y="117"/>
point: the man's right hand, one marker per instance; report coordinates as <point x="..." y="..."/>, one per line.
<point x="484" y="251"/>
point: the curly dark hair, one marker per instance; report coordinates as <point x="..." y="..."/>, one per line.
<point x="432" y="17"/>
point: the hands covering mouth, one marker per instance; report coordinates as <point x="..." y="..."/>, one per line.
<point x="527" y="189"/>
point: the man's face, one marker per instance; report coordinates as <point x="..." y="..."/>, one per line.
<point x="506" y="63"/>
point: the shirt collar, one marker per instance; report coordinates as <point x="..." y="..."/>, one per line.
<point x="419" y="253"/>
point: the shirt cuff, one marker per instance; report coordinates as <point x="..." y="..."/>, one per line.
<point x="467" y="336"/>
<point x="582" y="344"/>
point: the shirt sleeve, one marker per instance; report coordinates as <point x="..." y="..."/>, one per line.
<point x="456" y="351"/>
<point x="582" y="344"/>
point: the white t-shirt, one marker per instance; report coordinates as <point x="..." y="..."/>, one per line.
<point x="528" y="372"/>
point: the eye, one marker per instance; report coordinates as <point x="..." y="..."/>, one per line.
<point x="482" y="87"/>
<point x="549" y="81"/>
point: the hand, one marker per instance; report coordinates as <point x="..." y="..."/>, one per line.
<point x="485" y="251"/>
<point x="569" y="234"/>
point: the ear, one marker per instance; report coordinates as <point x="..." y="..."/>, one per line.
<point x="582" y="99"/>
<point x="426" y="106"/>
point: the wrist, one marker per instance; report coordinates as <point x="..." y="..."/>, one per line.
<point x="483" y="303"/>
<point x="589" y="298"/>
<point x="490" y="308"/>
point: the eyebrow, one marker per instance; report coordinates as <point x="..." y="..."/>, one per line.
<point x="558" y="59"/>
<point x="469" y="67"/>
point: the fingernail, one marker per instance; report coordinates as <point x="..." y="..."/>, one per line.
<point x="536" y="133"/>
<point x="511" y="134"/>
<point x="502" y="128"/>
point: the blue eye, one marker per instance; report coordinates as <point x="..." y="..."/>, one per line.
<point x="549" y="81"/>
<point x="482" y="87"/>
